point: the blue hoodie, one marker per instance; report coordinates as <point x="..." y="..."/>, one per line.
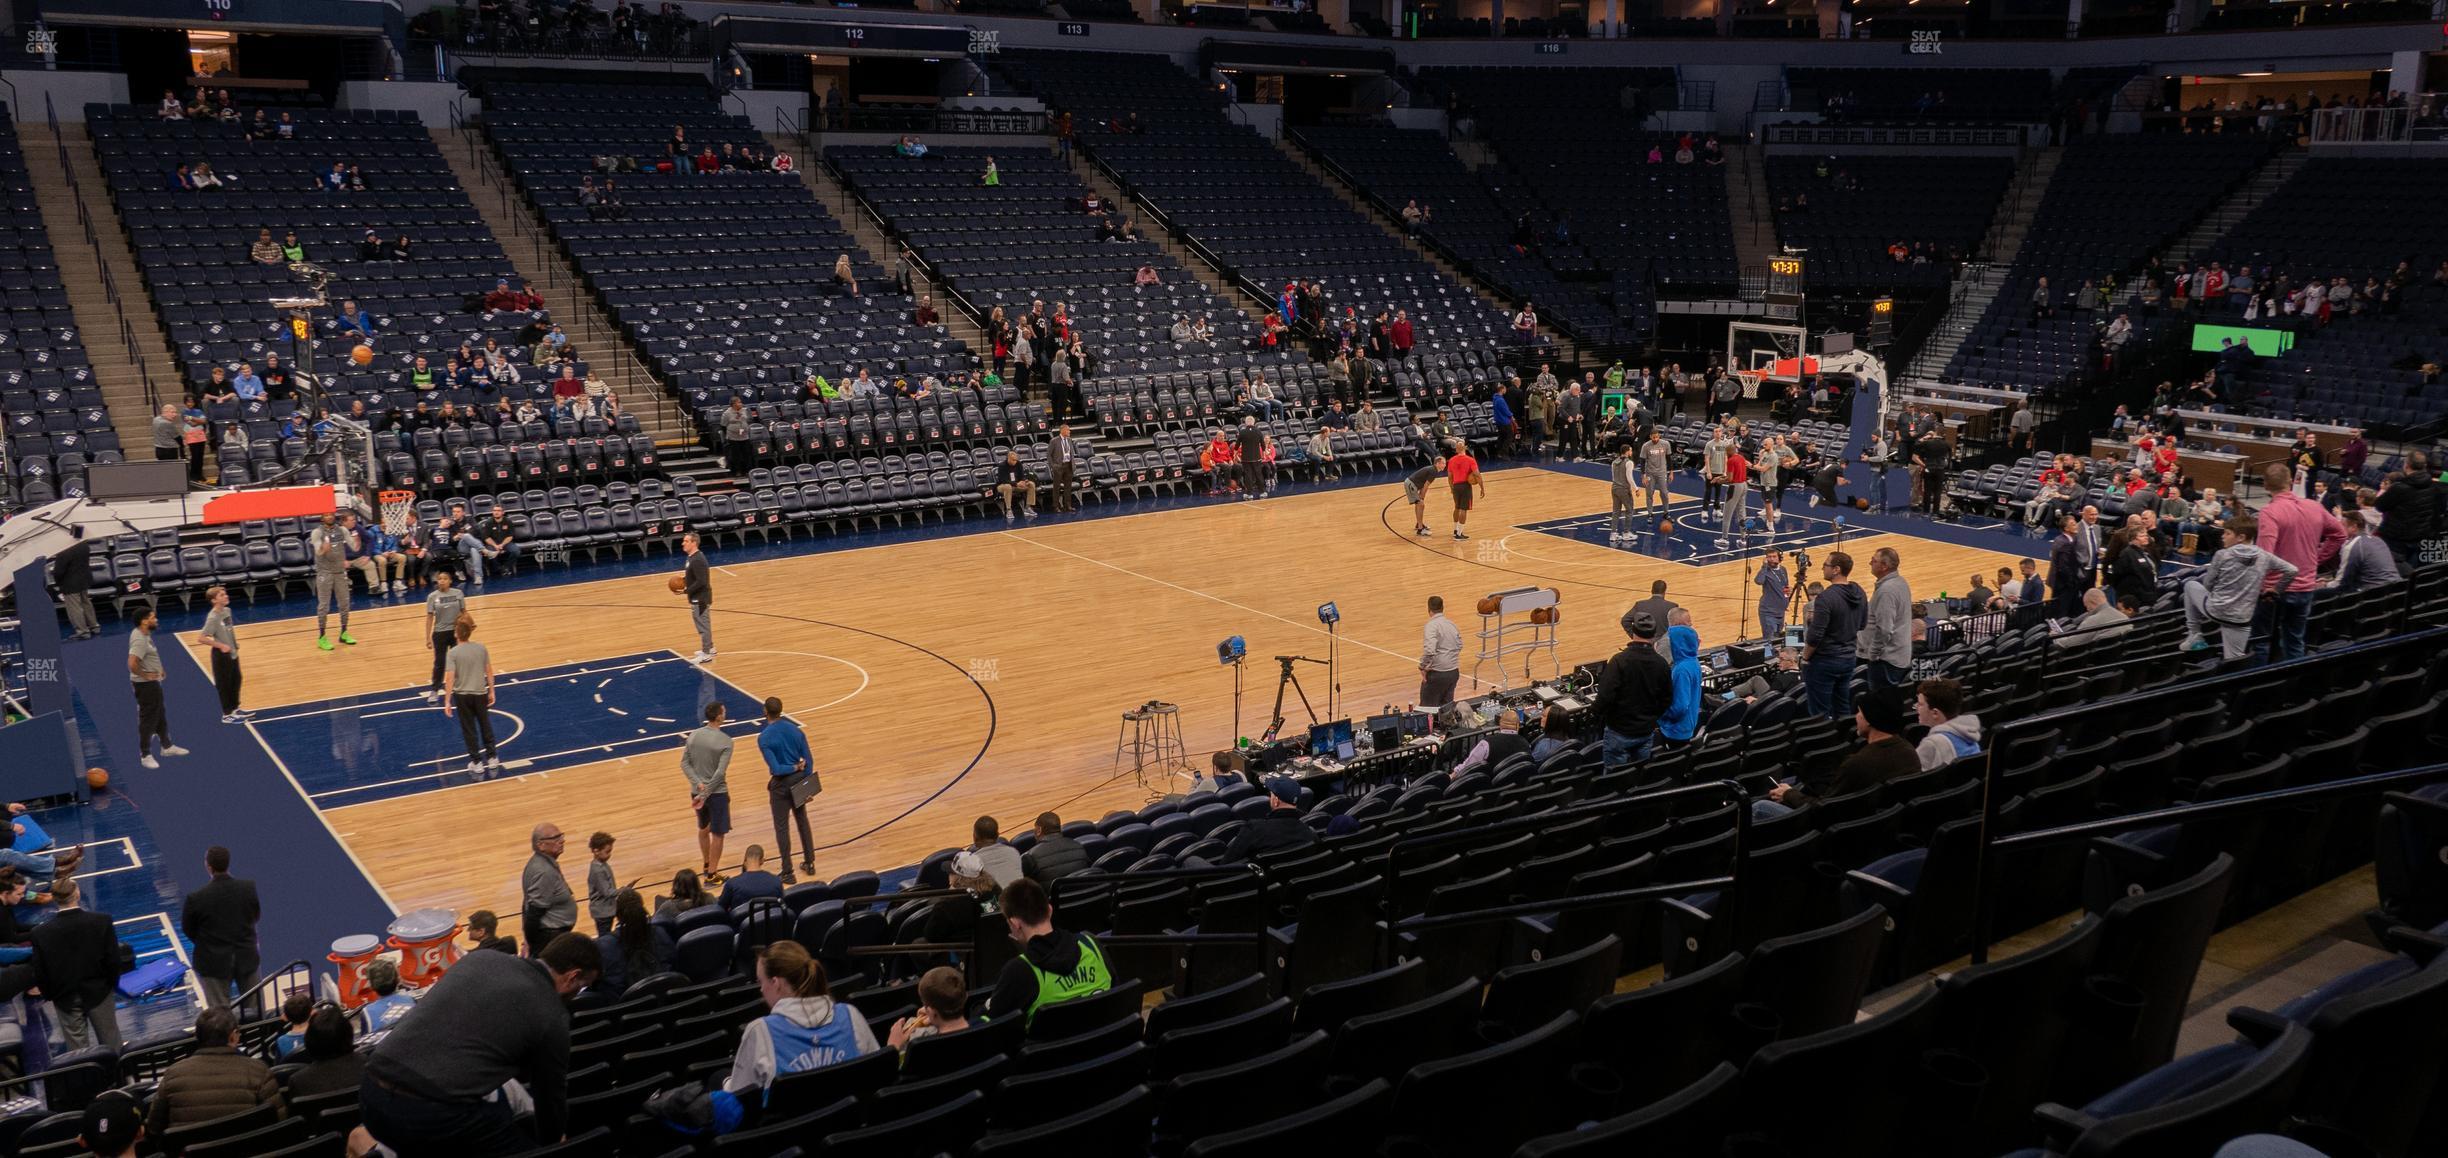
<point x="1682" y="717"/>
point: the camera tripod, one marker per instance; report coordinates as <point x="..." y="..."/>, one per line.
<point x="1289" y="679"/>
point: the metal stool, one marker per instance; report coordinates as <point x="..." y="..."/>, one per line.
<point x="1151" y="737"/>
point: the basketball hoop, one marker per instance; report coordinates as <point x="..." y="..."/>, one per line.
<point x="1751" y="380"/>
<point x="398" y="511"/>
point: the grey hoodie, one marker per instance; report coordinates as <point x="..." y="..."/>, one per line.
<point x="2233" y="581"/>
<point x="1937" y="751"/>
<point x="1888" y="637"/>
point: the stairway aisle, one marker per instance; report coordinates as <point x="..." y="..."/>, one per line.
<point x="590" y="327"/>
<point x="869" y="233"/>
<point x="117" y="370"/>
<point x="1979" y="282"/>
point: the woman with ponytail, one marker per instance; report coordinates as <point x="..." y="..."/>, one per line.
<point x="806" y="1028"/>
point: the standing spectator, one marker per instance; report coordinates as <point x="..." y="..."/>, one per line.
<point x="1837" y="618"/>
<point x="547" y="908"/>
<point x="2364" y="561"/>
<point x="215" y="1081"/>
<point x="169" y="434"/>
<point x="433" y="1085"/>
<point x="1053" y="964"/>
<point x="1252" y="456"/>
<point x="1633" y="692"/>
<point x="2066" y="578"/>
<point x="2409" y="505"/>
<point x="76" y="964"/>
<point x="72" y="572"/>
<point x="2133" y="575"/>
<point x="219" y="920"/>
<point x="1887" y="641"/>
<point x="697" y="580"/>
<point x="2228" y="591"/>
<point x="1681" y="720"/>
<point x="2297" y="530"/>
<point x="145" y="679"/>
<point x="706" y="762"/>
<point x="1054" y="856"/>
<point x="791" y="783"/>
<point x="603" y="889"/>
<point x="1440" y="656"/>
<point x="739" y="454"/>
<point x="1062" y="458"/>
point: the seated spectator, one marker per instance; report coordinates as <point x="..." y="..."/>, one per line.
<point x="909" y="146"/>
<point x="204" y="177"/>
<point x="2364" y="561"/>
<point x="686" y="894"/>
<point x="483" y="926"/>
<point x="1127" y="231"/>
<point x="989" y="863"/>
<point x="752" y="882"/>
<point x="216" y="389"/>
<point x="1412" y="215"/>
<point x="265" y="251"/>
<point x="844" y="276"/>
<point x="331" y="1049"/>
<point x="520" y="300"/>
<point x="356" y="180"/>
<point x="1054" y="856"/>
<point x="371" y="248"/>
<point x="286" y="129"/>
<point x="1053" y="964"/>
<point x="248" y="385"/>
<point x="926" y="315"/>
<point x="170" y="109"/>
<point x="637" y="947"/>
<point x="389" y="1004"/>
<point x="2102" y="620"/>
<point x="1281" y="828"/>
<point x="805" y="1029"/>
<point x="295" y="1009"/>
<point x="1181" y="331"/>
<point x="1878" y="719"/>
<point x="337" y="179"/>
<point x="215" y="1081"/>
<point x="1495" y="744"/>
<point x="1953" y="734"/>
<point x="943" y="1007"/>
<point x="402" y="249"/>
<point x="1107" y="229"/>
<point x="1784" y="672"/>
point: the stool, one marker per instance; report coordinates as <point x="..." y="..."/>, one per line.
<point x="1151" y="738"/>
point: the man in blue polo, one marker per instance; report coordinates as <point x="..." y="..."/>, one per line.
<point x="785" y="749"/>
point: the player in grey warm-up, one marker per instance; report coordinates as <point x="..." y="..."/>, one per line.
<point x="706" y="761"/>
<point x="443" y="606"/>
<point x="471" y="696"/>
<point x="699" y="578"/>
<point x="1619" y="521"/>
<point x="330" y="545"/>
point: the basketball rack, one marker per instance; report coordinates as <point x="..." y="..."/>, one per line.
<point x="1524" y="624"/>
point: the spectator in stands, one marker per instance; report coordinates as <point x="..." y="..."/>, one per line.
<point x="548" y="908"/>
<point x="2228" y="592"/>
<point x="333" y="1063"/>
<point x="1680" y="723"/>
<point x="2132" y="574"/>
<point x="943" y="1007"/>
<point x="389" y="1004"/>
<point x="265" y="251"/>
<point x="434" y="1084"/>
<point x="989" y="863"/>
<point x="1055" y="855"/>
<point x="484" y="932"/>
<point x="213" y="1082"/>
<point x="2409" y="505"/>
<point x="1884" y="755"/>
<point x="1012" y="482"/>
<point x="295" y="1011"/>
<point x="1053" y="964"/>
<point x="2365" y="560"/>
<point x="1635" y="688"/>
<point x="356" y="322"/>
<point x="911" y="147"/>
<point x="219" y="920"/>
<point x="1838" y="616"/>
<point x="2103" y="619"/>
<point x="638" y="947"/>
<point x="993" y="176"/>
<point x="502" y="297"/>
<point x="844" y="276"/>
<point x="752" y="882"/>
<point x="739" y="454"/>
<point x="2295" y="529"/>
<point x="1525" y="325"/>
<point x="1953" y="733"/>
<point x="2042" y="305"/>
<point x="76" y="964"/>
<point x="1280" y="829"/>
<point x="170" y="109"/>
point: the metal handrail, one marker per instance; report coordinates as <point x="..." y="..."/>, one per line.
<point x="273" y="979"/>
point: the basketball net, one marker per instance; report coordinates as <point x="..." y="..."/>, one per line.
<point x="398" y="511"/>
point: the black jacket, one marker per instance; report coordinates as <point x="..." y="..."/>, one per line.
<point x="1278" y="829"/>
<point x="1633" y="690"/>
<point x="2409" y="513"/>
<point x="2135" y="576"/>
<point x="220" y="918"/>
<point x="1052" y="858"/>
<point x="76" y="954"/>
<point x="72" y="568"/>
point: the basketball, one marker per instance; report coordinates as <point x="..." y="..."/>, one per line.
<point x="97" y="778"/>
<point x="363" y="355"/>
<point x="1542" y="615"/>
<point x="1666" y="526"/>
<point x="1489" y="605"/>
<point x="678" y="585"/>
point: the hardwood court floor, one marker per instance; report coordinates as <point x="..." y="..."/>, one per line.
<point x="1018" y="649"/>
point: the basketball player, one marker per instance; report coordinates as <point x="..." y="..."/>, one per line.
<point x="1623" y="484"/>
<point x="706" y="761"/>
<point x="145" y="678"/>
<point x="1415" y="488"/>
<point x="700" y="587"/>
<point x="471" y="696"/>
<point x="1463" y="471"/>
<point x="331" y="583"/>
<point x="220" y="634"/>
<point x="443" y="606"/>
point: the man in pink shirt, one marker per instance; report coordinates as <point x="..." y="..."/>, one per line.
<point x="2297" y="530"/>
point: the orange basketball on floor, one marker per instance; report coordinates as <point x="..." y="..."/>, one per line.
<point x="1542" y="615"/>
<point x="1489" y="605"/>
<point x="1666" y="526"/>
<point x="678" y="585"/>
<point x="363" y="355"/>
<point x="97" y="778"/>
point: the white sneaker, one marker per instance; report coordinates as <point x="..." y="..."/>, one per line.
<point x="232" y="718"/>
<point x="173" y="750"/>
<point x="150" y="762"/>
<point x="494" y="764"/>
<point x="1458" y="533"/>
<point x="1029" y="512"/>
<point x="475" y="768"/>
<point x="430" y="695"/>
<point x="701" y="657"/>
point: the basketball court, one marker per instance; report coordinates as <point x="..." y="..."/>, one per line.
<point x="943" y="678"/>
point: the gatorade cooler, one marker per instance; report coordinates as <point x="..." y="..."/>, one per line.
<point x="349" y="958"/>
<point x="428" y="942"/>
